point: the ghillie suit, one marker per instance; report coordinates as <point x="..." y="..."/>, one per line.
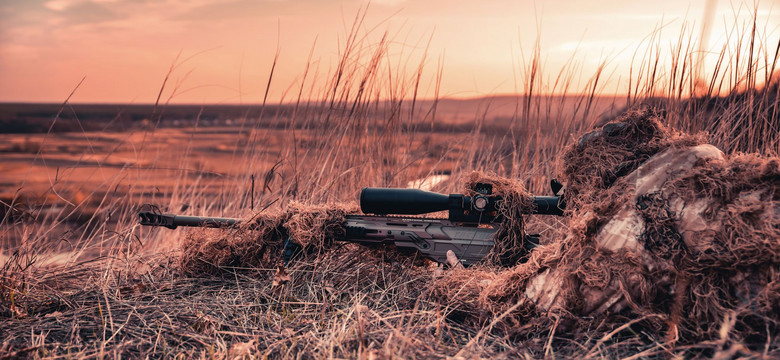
<point x="663" y="229"/>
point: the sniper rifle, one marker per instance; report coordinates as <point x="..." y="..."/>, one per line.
<point x="468" y="231"/>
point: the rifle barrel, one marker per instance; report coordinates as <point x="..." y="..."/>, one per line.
<point x="170" y="221"/>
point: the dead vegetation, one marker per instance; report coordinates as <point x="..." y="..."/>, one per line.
<point x="658" y="292"/>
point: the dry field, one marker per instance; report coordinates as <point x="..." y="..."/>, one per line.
<point x="82" y="182"/>
<point x="80" y="278"/>
<point x="70" y="202"/>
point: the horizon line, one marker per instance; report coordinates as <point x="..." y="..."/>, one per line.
<point x="449" y="98"/>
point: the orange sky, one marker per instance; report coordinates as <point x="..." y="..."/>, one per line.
<point x="124" y="48"/>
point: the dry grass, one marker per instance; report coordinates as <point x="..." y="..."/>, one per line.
<point x="106" y="287"/>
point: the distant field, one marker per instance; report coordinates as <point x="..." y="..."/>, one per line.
<point x="122" y="154"/>
<point x="497" y="111"/>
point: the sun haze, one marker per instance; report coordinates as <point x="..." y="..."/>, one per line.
<point x="224" y="50"/>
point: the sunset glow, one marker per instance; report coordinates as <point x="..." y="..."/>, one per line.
<point x="123" y="49"/>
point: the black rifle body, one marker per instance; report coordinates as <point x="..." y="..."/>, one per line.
<point x="430" y="237"/>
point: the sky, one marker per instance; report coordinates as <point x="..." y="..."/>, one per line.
<point x="222" y="51"/>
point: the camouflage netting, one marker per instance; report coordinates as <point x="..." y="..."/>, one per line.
<point x="601" y="157"/>
<point x="662" y="228"/>
<point x="508" y="249"/>
<point x="259" y="243"/>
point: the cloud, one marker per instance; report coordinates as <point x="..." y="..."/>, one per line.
<point x="62" y="5"/>
<point x="58" y="5"/>
<point x="89" y="12"/>
<point x="207" y="10"/>
<point x="387" y="2"/>
<point x="602" y="44"/>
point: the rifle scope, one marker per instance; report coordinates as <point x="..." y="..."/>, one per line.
<point x="415" y="202"/>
